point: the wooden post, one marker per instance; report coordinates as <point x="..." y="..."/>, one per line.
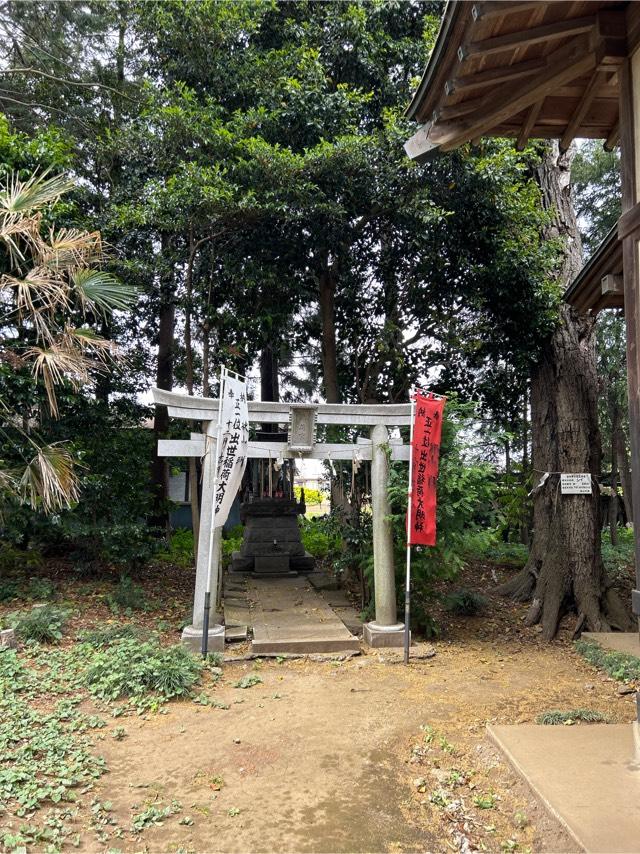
<point x="630" y="234"/>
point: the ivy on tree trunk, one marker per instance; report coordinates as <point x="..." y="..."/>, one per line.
<point x="565" y="570"/>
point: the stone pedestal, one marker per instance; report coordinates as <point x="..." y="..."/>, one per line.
<point x="376" y="636"/>
<point x="8" y="639"/>
<point x="272" y="543"/>
<point x="192" y="638"/>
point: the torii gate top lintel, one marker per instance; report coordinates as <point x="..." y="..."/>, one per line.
<point x="268" y="412"/>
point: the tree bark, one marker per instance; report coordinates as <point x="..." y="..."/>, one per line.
<point x="565" y="569"/>
<point x="164" y="380"/>
<point x="326" y="298"/>
<point x="613" y="503"/>
<point x="625" y="471"/>
<point x="188" y="343"/>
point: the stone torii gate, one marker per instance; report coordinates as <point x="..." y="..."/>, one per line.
<point x="385" y="630"/>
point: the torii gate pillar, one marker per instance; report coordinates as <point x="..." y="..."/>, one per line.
<point x="385" y="630"/>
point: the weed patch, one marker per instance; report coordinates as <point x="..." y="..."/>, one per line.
<point x="127" y="596"/>
<point x="44" y="757"/>
<point x="145" y="673"/>
<point x="43" y="624"/>
<point x="618" y="665"/>
<point x="556" y="717"/>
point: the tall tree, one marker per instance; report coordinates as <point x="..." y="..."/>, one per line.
<point x="565" y="570"/>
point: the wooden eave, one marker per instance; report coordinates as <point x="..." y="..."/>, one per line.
<point x="599" y="284"/>
<point x="525" y="70"/>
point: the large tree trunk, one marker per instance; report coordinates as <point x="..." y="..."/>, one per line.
<point x="326" y="299"/>
<point x="164" y="380"/>
<point x="625" y="471"/>
<point x="613" y="504"/>
<point x="565" y="569"/>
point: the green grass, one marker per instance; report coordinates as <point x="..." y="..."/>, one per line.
<point x="618" y="665"/>
<point x="555" y="717"/>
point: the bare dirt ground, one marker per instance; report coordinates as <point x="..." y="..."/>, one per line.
<point x="360" y="755"/>
<point x="323" y="757"/>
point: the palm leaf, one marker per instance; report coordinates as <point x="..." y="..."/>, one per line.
<point x="24" y="197"/>
<point x="101" y="292"/>
<point x="55" y="364"/>
<point x="49" y="480"/>
<point x="88" y="340"/>
<point x="71" y="247"/>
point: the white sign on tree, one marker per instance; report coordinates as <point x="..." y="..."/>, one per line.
<point x="575" y="484"/>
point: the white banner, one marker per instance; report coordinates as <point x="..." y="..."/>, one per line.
<point x="234" y="440"/>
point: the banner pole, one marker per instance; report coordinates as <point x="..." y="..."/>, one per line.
<point x="207" y="595"/>
<point x="407" y="584"/>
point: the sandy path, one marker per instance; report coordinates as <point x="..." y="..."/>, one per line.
<point x="316" y="757"/>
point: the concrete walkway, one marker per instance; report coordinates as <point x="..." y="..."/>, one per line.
<point x="288" y="615"/>
<point x="588" y="776"/>
<point x="627" y="642"/>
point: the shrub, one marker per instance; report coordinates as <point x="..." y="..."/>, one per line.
<point x="18" y="562"/>
<point x="496" y="551"/>
<point x="127" y="596"/>
<point x="43" y="624"/>
<point x="9" y="589"/>
<point x="128" y="668"/>
<point x="618" y="665"/>
<point x="312" y="497"/>
<point x="180" y="550"/>
<point x="231" y="542"/>
<point x="618" y="560"/>
<point x="556" y="717"/>
<point x="41" y="588"/>
<point x="320" y="537"/>
<point x="465" y="603"/>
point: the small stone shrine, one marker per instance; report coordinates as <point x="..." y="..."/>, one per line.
<point x="272" y="544"/>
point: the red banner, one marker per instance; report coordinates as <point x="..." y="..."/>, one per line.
<point x="427" y="430"/>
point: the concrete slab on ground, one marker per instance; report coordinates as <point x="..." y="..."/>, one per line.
<point x="237" y="615"/>
<point x="627" y="642"/>
<point x="588" y="777"/>
<point x="288" y="615"/>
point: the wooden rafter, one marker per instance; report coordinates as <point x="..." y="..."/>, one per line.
<point x="529" y="123"/>
<point x="494" y="75"/>
<point x="533" y="35"/>
<point x="454" y="111"/>
<point x="614" y="137"/>
<point x="498" y="8"/>
<point x="597" y="80"/>
<point x="564" y="65"/>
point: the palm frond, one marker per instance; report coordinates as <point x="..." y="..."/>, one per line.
<point x="55" y="364"/>
<point x="88" y="341"/>
<point x="101" y="292"/>
<point x="39" y="190"/>
<point x="38" y="291"/>
<point x="49" y="480"/>
<point x="20" y="234"/>
<point x="70" y="247"/>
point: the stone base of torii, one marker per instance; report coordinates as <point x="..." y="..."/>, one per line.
<point x="385" y="630"/>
